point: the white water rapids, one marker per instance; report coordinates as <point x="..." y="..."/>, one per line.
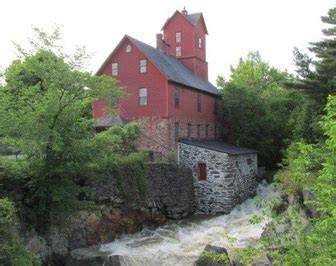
<point x="181" y="243"/>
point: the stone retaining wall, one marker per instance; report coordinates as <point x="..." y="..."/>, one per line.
<point x="171" y="190"/>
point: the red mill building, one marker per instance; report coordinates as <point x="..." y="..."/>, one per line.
<point x="167" y="86"/>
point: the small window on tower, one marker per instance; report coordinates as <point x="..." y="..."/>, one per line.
<point x="143" y="66"/>
<point x="178" y="51"/>
<point x="128" y="48"/>
<point x="178" y="36"/>
<point x="114" y="69"/>
<point x="200" y="43"/>
<point x="143" y="96"/>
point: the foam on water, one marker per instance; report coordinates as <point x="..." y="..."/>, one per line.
<point x="181" y="243"/>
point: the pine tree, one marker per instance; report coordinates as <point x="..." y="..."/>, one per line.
<point x="318" y="77"/>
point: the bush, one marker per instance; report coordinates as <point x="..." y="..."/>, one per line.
<point x="11" y="252"/>
<point x="131" y="172"/>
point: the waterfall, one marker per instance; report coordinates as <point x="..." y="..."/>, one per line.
<point x="181" y="243"/>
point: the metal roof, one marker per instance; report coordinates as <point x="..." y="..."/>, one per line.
<point x="194" y="18"/>
<point x="173" y="69"/>
<point x="219" y="146"/>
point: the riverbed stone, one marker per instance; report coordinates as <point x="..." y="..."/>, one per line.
<point x="213" y="256"/>
<point x="264" y="261"/>
<point x="92" y="256"/>
<point x="308" y="196"/>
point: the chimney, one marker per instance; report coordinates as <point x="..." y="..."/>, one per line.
<point x="184" y="12"/>
<point x="159" y="41"/>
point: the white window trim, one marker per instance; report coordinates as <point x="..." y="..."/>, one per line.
<point x="143" y="94"/>
<point x="143" y="66"/>
<point x="178" y="51"/>
<point x="178" y="37"/>
<point x="115" y="69"/>
<point x="200" y="44"/>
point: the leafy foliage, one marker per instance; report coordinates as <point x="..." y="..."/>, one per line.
<point x="45" y="113"/>
<point x="218" y="259"/>
<point x="313" y="167"/>
<point x="316" y="77"/>
<point x="256" y="111"/>
<point x="11" y="252"/>
<point x="131" y="172"/>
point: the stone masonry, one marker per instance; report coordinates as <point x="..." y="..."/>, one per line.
<point x="159" y="134"/>
<point x="230" y="176"/>
<point x="171" y="190"/>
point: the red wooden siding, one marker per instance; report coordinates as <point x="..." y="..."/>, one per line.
<point x="131" y="80"/>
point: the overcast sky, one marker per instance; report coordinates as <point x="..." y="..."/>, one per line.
<point x="235" y="27"/>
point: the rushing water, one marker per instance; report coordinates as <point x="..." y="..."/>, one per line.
<point x="181" y="243"/>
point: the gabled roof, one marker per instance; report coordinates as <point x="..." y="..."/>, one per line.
<point x="168" y="65"/>
<point x="218" y="146"/>
<point x="192" y="18"/>
<point x="173" y="69"/>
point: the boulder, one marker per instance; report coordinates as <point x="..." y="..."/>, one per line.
<point x="264" y="261"/>
<point x="92" y="256"/>
<point x="213" y="256"/>
<point x="312" y="209"/>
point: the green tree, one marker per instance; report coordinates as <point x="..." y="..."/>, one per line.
<point x="45" y="113"/>
<point x="313" y="167"/>
<point x="256" y="109"/>
<point x="316" y="76"/>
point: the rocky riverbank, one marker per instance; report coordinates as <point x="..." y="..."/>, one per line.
<point x="169" y="195"/>
<point x="291" y="218"/>
<point x="87" y="229"/>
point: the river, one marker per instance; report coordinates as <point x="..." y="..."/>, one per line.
<point x="181" y="243"/>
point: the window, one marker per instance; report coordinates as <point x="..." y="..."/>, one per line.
<point x="177" y="130"/>
<point x="189" y="131"/>
<point x="114" y="69"/>
<point x="198" y="131"/>
<point x="143" y="96"/>
<point x="199" y="43"/>
<point x="143" y="66"/>
<point x="207" y="131"/>
<point x="178" y="36"/>
<point x="202" y="172"/>
<point x="178" y="51"/>
<point x="199" y="107"/>
<point x="128" y="48"/>
<point x="177" y="97"/>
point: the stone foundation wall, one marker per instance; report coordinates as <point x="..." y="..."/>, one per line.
<point x="171" y="190"/>
<point x="159" y="133"/>
<point x="230" y="179"/>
